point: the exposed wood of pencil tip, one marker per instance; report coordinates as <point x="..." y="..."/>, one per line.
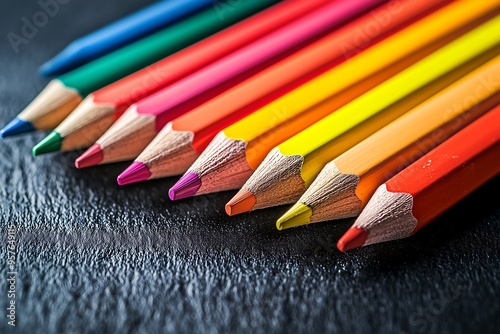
<point x="126" y="139"/>
<point x="332" y="195"/>
<point x="86" y="124"/>
<point x="277" y="180"/>
<point x="51" y="106"/>
<point x="222" y="165"/>
<point x="170" y="153"/>
<point x="387" y="216"/>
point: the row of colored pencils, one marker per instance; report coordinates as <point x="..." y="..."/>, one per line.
<point x="386" y="110"/>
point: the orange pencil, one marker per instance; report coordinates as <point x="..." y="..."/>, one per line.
<point x="431" y="185"/>
<point x="344" y="185"/>
<point x="177" y="146"/>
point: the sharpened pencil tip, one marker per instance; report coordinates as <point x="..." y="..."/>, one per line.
<point x="354" y="237"/>
<point x="243" y="201"/>
<point x="91" y="157"/>
<point x="187" y="186"/>
<point x="299" y="214"/>
<point x="51" y="143"/>
<point x="16" y="127"/>
<point x="136" y="172"/>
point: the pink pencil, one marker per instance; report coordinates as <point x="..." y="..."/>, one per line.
<point x="144" y="119"/>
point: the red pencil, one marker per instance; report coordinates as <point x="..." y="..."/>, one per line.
<point x="431" y="185"/>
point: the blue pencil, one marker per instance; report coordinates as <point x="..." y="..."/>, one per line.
<point x="120" y="33"/>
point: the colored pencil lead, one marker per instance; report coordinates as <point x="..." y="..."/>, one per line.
<point x="170" y="153"/>
<point x="299" y="214"/>
<point x="51" y="143"/>
<point x="244" y="201"/>
<point x="354" y="237"/>
<point x="136" y="172"/>
<point x="224" y="174"/>
<point x="91" y="157"/>
<point x="276" y="181"/>
<point x="56" y="98"/>
<point x="187" y="186"/>
<point x="83" y="123"/>
<point x="15" y="127"/>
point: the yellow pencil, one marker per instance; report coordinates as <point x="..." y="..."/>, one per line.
<point x="290" y="168"/>
<point x="344" y="185"/>
<point x="236" y="152"/>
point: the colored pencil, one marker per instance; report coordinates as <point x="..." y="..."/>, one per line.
<point x="102" y="108"/>
<point x="143" y="120"/>
<point x="345" y="184"/>
<point x="289" y="169"/>
<point x="430" y="186"/>
<point x="237" y="151"/>
<point x="120" y="33"/>
<point x="179" y="143"/>
<point x="63" y="94"/>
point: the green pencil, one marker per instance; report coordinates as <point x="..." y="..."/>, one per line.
<point x="64" y="93"/>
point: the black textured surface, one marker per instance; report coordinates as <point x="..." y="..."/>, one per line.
<point x="94" y="257"/>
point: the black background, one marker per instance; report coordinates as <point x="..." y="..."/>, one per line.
<point x="94" y="257"/>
